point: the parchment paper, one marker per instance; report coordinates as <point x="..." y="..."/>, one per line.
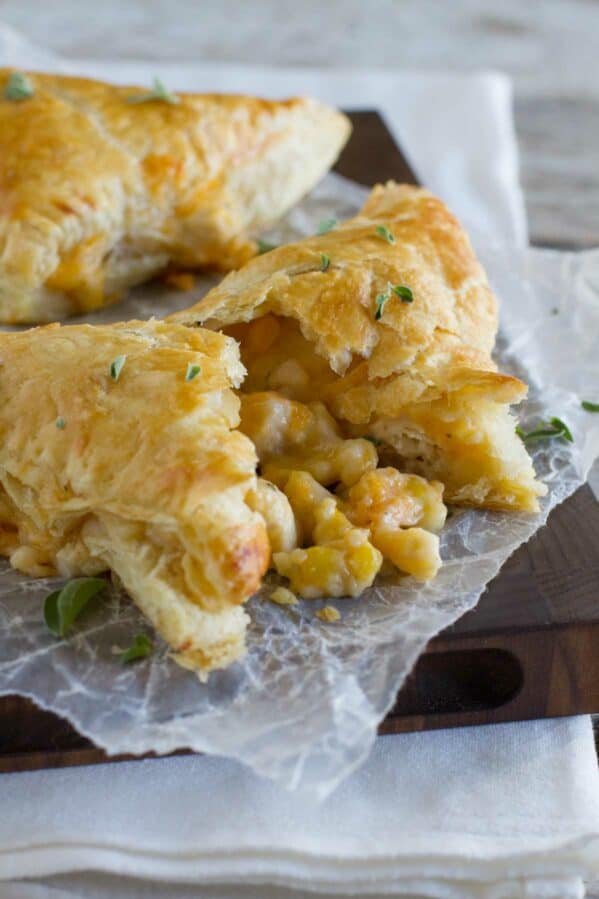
<point x="302" y="708"/>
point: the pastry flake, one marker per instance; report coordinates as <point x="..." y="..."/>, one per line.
<point x="394" y="336"/>
<point x="100" y="192"/>
<point x="143" y="475"/>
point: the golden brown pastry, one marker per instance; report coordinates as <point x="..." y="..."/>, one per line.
<point x="389" y="320"/>
<point x="100" y="191"/>
<point x="118" y="452"/>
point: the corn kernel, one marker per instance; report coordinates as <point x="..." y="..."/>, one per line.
<point x="328" y="614"/>
<point x="283" y="597"/>
<point x="412" y="550"/>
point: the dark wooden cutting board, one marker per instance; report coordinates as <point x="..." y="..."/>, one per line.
<point x="530" y="649"/>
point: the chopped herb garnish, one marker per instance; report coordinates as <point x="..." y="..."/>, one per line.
<point x="18" y="87"/>
<point x="381" y="301"/>
<point x="158" y="92"/>
<point x="554" y="428"/>
<point x="326" y="225"/>
<point x="590" y="407"/>
<point x="141" y="648"/>
<point x="63" y="607"/>
<point x="192" y="371"/>
<point x="61" y="423"/>
<point x="563" y="428"/>
<point x="384" y="232"/>
<point x="400" y="290"/>
<point x="264" y="246"/>
<point x="555" y="311"/>
<point x="372" y="439"/>
<point x="404" y="293"/>
<point x="324" y="262"/>
<point x="116" y="367"/>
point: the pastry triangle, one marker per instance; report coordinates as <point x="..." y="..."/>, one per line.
<point x="389" y="320"/>
<point x="118" y="451"/>
<point x="103" y="187"/>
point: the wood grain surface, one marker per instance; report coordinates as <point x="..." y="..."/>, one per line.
<point x="530" y="649"/>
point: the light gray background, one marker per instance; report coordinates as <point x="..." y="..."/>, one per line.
<point x="550" y="47"/>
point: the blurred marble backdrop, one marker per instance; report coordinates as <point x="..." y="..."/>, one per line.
<point x="550" y="47"/>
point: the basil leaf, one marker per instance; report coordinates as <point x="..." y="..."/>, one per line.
<point x="141" y="648"/>
<point x="192" y="371"/>
<point x="18" y="87"/>
<point x="324" y="262"/>
<point x="384" y="232"/>
<point x="74" y="597"/>
<point x="404" y="293"/>
<point x="51" y="613"/>
<point x="116" y="367"/>
<point x="63" y="607"/>
<point x="326" y="225"/>
<point x="264" y="246"/>
<point x="590" y="407"/>
<point x="158" y="92"/>
<point x="61" y="423"/>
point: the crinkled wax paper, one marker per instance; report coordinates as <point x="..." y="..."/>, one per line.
<point x="303" y="707"/>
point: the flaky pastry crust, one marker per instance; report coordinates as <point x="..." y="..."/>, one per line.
<point x="98" y="193"/>
<point x="143" y="475"/>
<point x="418" y="377"/>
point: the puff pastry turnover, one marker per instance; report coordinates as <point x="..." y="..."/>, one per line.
<point x="99" y="193"/>
<point x="389" y="320"/>
<point x="143" y="475"/>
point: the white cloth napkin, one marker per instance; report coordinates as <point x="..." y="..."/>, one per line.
<point x="447" y="814"/>
<point x="497" y="812"/>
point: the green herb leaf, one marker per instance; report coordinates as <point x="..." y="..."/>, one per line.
<point x="381" y="301"/>
<point x="538" y="434"/>
<point x="116" y="367"/>
<point x="385" y="233"/>
<point x="326" y="225"/>
<point x="18" y="87"/>
<point x="324" y="262"/>
<point x="192" y="371"/>
<point x="61" y="423"/>
<point x="51" y="613"/>
<point x="63" y="607"/>
<point x="400" y="290"/>
<point x="264" y="246"/>
<point x="590" y="407"/>
<point x="563" y="429"/>
<point x="555" y="311"/>
<point x="554" y="428"/>
<point x="141" y="648"/>
<point x="158" y="92"/>
<point x="372" y="439"/>
<point x="404" y="293"/>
